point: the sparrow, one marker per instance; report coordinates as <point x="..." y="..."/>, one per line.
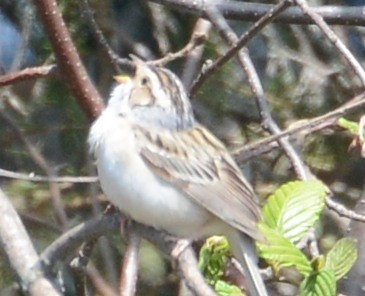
<point x="160" y="167"/>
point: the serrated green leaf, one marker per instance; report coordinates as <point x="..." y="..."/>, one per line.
<point x="294" y="208"/>
<point x="226" y="289"/>
<point x="281" y="252"/>
<point x="321" y="283"/>
<point x="341" y="257"/>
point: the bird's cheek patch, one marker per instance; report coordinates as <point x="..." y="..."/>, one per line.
<point x="141" y="97"/>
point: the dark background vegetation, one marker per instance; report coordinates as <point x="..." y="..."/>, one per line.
<point x="43" y="130"/>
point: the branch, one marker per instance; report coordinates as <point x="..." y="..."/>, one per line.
<point x="244" y="11"/>
<point x="79" y="264"/>
<point x="110" y="223"/>
<point x="186" y="259"/>
<point x="266" y="119"/>
<point x="68" y="60"/>
<point x="42" y="163"/>
<point x="26" y="74"/>
<point x="101" y="285"/>
<point x="129" y="272"/>
<point x="196" y="40"/>
<point x="318" y="20"/>
<point x="20" y="250"/>
<point x="243" y="40"/>
<point x="343" y="211"/>
<point x="72" y="239"/>
<point x="34" y="178"/>
<point x="115" y="60"/>
<point x="308" y="126"/>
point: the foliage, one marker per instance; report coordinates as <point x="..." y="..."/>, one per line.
<point x="213" y="259"/>
<point x="294" y="208"/>
<point x="289" y="214"/>
<point x="305" y="201"/>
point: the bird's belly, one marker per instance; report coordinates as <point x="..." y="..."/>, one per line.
<point x="130" y="185"/>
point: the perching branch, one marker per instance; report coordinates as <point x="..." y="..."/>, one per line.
<point x="129" y="270"/>
<point x="110" y="223"/>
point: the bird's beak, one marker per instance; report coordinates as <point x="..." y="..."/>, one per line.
<point x="122" y="79"/>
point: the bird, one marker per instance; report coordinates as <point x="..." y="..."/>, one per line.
<point x="162" y="168"/>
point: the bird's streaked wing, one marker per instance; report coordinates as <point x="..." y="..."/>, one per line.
<point x="199" y="165"/>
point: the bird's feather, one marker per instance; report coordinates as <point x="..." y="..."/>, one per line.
<point x="198" y="164"/>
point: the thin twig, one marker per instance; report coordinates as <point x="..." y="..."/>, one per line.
<point x="318" y="20"/>
<point x="73" y="238"/>
<point x="188" y="266"/>
<point x="79" y="263"/>
<point x="115" y="60"/>
<point x="34" y="178"/>
<point x="313" y="244"/>
<point x="343" y="211"/>
<point x="196" y="40"/>
<point x="28" y="73"/>
<point x="243" y="40"/>
<point x="266" y="119"/>
<point x="42" y="163"/>
<point x="252" y="11"/>
<point x="308" y="126"/>
<point x="129" y="272"/>
<point x="101" y="285"/>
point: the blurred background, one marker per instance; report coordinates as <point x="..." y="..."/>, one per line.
<point x="302" y="73"/>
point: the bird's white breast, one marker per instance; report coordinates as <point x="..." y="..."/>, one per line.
<point x="133" y="187"/>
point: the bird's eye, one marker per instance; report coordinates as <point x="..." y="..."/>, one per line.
<point x="144" y="81"/>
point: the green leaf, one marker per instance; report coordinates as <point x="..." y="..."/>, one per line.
<point x="341" y="257"/>
<point x="321" y="283"/>
<point x="213" y="258"/>
<point x="294" y="208"/>
<point x="350" y="126"/>
<point x="226" y="289"/>
<point x="280" y="252"/>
